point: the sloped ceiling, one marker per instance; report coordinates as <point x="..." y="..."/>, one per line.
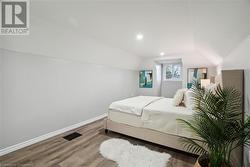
<point x="207" y="28"/>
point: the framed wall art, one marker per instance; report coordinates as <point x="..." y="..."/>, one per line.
<point x="146" y="79"/>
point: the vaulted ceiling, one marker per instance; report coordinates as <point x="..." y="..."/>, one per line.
<point x="210" y="28"/>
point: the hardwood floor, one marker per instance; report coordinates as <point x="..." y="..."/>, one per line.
<point x="82" y="151"/>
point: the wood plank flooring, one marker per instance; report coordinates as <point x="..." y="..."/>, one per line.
<point x="82" y="151"/>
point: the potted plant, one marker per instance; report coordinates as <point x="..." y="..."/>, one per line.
<point x="218" y="123"/>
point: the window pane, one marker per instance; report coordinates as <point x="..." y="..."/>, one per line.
<point x="176" y="71"/>
<point x="169" y="73"/>
<point x="173" y="71"/>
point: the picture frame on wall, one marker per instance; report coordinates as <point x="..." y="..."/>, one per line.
<point x="196" y="74"/>
<point x="146" y="79"/>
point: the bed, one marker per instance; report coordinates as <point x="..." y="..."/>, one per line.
<point x="150" y="118"/>
<point x="154" y="118"/>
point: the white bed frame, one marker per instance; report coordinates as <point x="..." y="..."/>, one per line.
<point x="165" y="139"/>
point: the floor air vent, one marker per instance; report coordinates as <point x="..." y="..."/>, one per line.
<point x="72" y="136"/>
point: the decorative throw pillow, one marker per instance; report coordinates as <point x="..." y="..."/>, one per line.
<point x="178" y="97"/>
<point x="212" y="87"/>
<point x="188" y="100"/>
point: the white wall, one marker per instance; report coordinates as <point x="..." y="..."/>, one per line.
<point x="188" y="62"/>
<point x="43" y="94"/>
<point x="239" y="57"/>
<point x="56" y="77"/>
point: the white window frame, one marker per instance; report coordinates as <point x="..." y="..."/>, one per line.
<point x="172" y="79"/>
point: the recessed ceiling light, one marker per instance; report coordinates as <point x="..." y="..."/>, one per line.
<point x="162" y="53"/>
<point x="139" y="36"/>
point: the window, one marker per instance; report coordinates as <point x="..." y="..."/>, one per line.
<point x="172" y="72"/>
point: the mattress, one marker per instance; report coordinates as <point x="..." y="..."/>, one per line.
<point x="125" y="118"/>
<point x="160" y="115"/>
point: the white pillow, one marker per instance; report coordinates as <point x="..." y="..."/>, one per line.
<point x="188" y="100"/>
<point x="212" y="87"/>
<point x="178" y="97"/>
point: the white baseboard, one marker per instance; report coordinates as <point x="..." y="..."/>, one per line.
<point x="48" y="135"/>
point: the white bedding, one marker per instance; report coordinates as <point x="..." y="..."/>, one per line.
<point x="162" y="116"/>
<point x="125" y="118"/>
<point x="156" y="113"/>
<point x="134" y="105"/>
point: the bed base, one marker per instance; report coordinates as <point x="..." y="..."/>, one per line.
<point x="164" y="139"/>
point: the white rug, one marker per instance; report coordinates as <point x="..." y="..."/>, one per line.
<point x="126" y="154"/>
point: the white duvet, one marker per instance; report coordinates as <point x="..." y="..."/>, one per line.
<point x="134" y="105"/>
<point x="162" y="116"/>
<point x="155" y="113"/>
